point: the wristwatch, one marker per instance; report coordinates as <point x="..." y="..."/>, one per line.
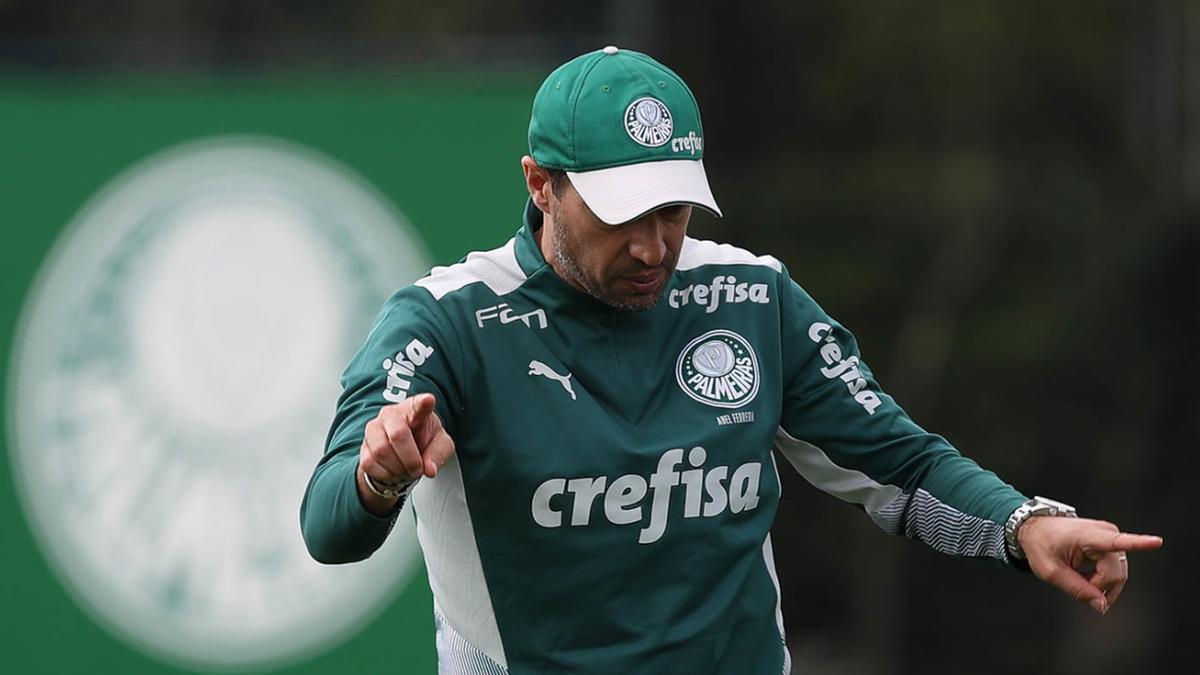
<point x="1038" y="506"/>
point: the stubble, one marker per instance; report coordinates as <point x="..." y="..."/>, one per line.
<point x="566" y="255"/>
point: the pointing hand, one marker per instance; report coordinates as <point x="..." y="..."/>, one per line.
<point x="405" y="441"/>
<point x="1086" y="559"/>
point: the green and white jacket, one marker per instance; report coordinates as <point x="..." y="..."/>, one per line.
<point x="610" y="503"/>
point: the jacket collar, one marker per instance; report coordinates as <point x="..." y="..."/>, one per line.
<point x="529" y="254"/>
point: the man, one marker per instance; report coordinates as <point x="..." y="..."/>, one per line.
<point x="583" y="420"/>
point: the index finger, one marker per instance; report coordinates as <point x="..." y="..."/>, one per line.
<point x="1124" y="541"/>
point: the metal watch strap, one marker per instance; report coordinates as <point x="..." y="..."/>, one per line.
<point x="1038" y="506"/>
<point x="387" y="491"/>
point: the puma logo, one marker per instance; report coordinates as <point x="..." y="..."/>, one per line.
<point x="539" y="368"/>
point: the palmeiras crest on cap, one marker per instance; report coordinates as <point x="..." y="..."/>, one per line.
<point x="648" y="122"/>
<point x="627" y="131"/>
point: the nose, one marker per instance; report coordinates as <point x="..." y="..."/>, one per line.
<point x="647" y="242"/>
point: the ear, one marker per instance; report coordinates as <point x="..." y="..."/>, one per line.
<point x="537" y="181"/>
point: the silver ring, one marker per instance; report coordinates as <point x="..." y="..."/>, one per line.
<point x="1123" y="557"/>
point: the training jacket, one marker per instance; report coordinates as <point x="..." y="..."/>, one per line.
<point x="609" y="505"/>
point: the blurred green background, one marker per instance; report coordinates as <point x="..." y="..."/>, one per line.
<point x="1000" y="199"/>
<point x="66" y="137"/>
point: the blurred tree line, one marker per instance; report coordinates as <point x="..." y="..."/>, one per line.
<point x="999" y="198"/>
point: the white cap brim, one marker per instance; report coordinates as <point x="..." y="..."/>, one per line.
<point x="623" y="193"/>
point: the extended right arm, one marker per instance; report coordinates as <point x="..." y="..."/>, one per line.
<point x="383" y="427"/>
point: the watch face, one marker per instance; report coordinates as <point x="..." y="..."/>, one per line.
<point x="174" y="376"/>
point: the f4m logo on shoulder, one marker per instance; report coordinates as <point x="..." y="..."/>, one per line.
<point x="506" y="315"/>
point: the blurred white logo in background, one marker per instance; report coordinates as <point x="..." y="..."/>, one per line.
<point x="173" y="380"/>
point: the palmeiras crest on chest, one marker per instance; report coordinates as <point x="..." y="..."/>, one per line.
<point x="720" y="369"/>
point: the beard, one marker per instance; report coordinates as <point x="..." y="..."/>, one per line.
<point x="566" y="253"/>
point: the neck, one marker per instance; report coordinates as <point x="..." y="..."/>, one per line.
<point x="543" y="242"/>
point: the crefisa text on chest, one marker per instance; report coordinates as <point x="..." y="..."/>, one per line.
<point x="707" y="492"/>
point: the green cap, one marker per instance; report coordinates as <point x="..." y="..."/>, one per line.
<point x="626" y="129"/>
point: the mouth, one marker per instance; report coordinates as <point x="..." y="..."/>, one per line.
<point x="644" y="283"/>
